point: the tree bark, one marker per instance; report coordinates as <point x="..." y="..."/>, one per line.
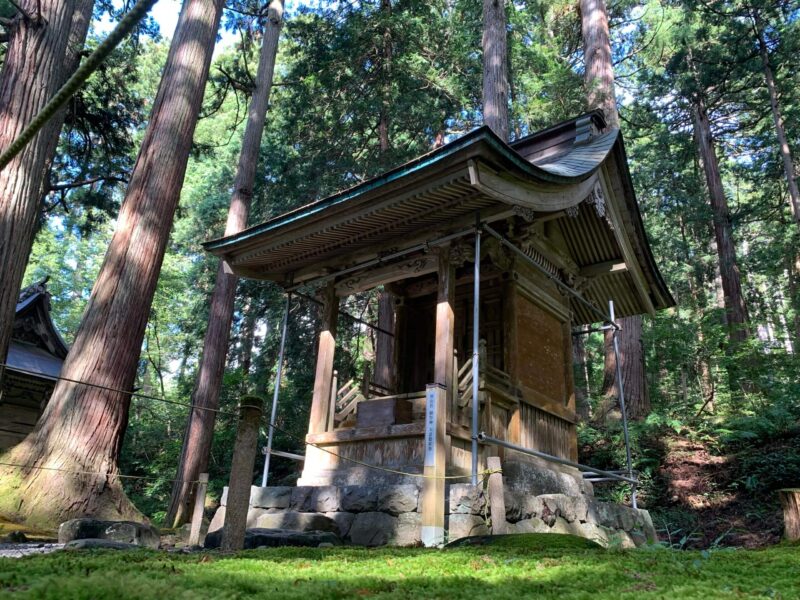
<point x="632" y="367"/>
<point x="599" y="71"/>
<point x="200" y="427"/>
<point x="82" y="427"/>
<point x="42" y="50"/>
<point x="581" y="370"/>
<point x="495" y="69"/>
<point x="386" y="83"/>
<point x="735" y="307"/>
<point x="780" y="131"/>
<point x="384" y="344"/>
<point x="790" y="502"/>
<point x="599" y="81"/>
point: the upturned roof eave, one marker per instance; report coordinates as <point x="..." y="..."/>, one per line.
<point x="499" y="151"/>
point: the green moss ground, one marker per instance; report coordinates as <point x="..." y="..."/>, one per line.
<point x="519" y="567"/>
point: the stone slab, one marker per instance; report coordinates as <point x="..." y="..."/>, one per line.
<point x="96" y="543"/>
<point x="128" y="532"/>
<point x="372" y="529"/>
<point x="296" y="521"/>
<point x="398" y="499"/>
<point x="260" y="538"/>
<point x="465" y="498"/>
<point x="463" y="525"/>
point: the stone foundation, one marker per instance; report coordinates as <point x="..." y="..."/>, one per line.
<point x="378" y="515"/>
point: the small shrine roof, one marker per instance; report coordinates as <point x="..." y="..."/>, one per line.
<point x="549" y="175"/>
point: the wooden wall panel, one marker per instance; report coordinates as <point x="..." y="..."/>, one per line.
<point x="539" y="350"/>
<point x="547" y="433"/>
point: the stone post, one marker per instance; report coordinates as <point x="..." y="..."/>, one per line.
<point x="244" y="456"/>
<point x="199" y="509"/>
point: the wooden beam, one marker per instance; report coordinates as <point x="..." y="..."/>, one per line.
<point x="603" y="268"/>
<point x="412" y="266"/>
<point x="324" y="373"/>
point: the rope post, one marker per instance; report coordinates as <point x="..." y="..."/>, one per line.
<point x="497" y="502"/>
<point x="621" y="389"/>
<point x="476" y="315"/>
<point x="199" y="509"/>
<point x="244" y="457"/>
<point x="276" y="392"/>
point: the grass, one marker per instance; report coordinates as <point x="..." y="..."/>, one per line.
<point x="516" y="567"/>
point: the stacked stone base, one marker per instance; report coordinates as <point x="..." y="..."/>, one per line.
<point x="378" y="515"/>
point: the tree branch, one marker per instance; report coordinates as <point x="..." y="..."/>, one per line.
<point x="57" y="187"/>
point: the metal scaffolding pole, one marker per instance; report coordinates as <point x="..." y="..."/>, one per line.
<point x="276" y="392"/>
<point x="476" y="313"/>
<point x="621" y="389"/>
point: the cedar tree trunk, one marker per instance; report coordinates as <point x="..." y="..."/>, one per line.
<point x="735" y="307"/>
<point x="631" y="357"/>
<point x="599" y="72"/>
<point x="384" y="344"/>
<point x="495" y="70"/>
<point x="599" y="81"/>
<point x="783" y="143"/>
<point x="82" y="427"/>
<point x="205" y="398"/>
<point x="42" y="50"/>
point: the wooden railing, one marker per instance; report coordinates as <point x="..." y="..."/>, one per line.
<point x="492" y="380"/>
<point x="345" y="399"/>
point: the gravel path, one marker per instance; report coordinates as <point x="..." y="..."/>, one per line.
<point x="20" y="550"/>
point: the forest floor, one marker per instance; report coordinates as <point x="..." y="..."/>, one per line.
<point x="513" y="567"/>
<point x="702" y="507"/>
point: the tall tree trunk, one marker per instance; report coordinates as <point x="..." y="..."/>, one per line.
<point x="386" y="82"/>
<point x="43" y="49"/>
<point x="246" y="342"/>
<point x="783" y="143"/>
<point x="581" y="376"/>
<point x="83" y="426"/>
<point x="384" y="344"/>
<point x="599" y="71"/>
<point x="205" y="397"/>
<point x="495" y="69"/>
<point x="599" y="82"/>
<point x="632" y="368"/>
<point x="735" y="307"/>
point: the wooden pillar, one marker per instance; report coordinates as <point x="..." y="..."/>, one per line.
<point x="384" y="343"/>
<point x="323" y="379"/>
<point x="510" y="353"/>
<point x="569" y="386"/>
<point x="438" y="397"/>
<point x="398" y="355"/>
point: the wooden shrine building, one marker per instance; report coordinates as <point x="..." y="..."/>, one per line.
<point x="34" y="360"/>
<point x="561" y="235"/>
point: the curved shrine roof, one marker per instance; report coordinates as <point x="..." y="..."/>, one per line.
<point x="568" y="175"/>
